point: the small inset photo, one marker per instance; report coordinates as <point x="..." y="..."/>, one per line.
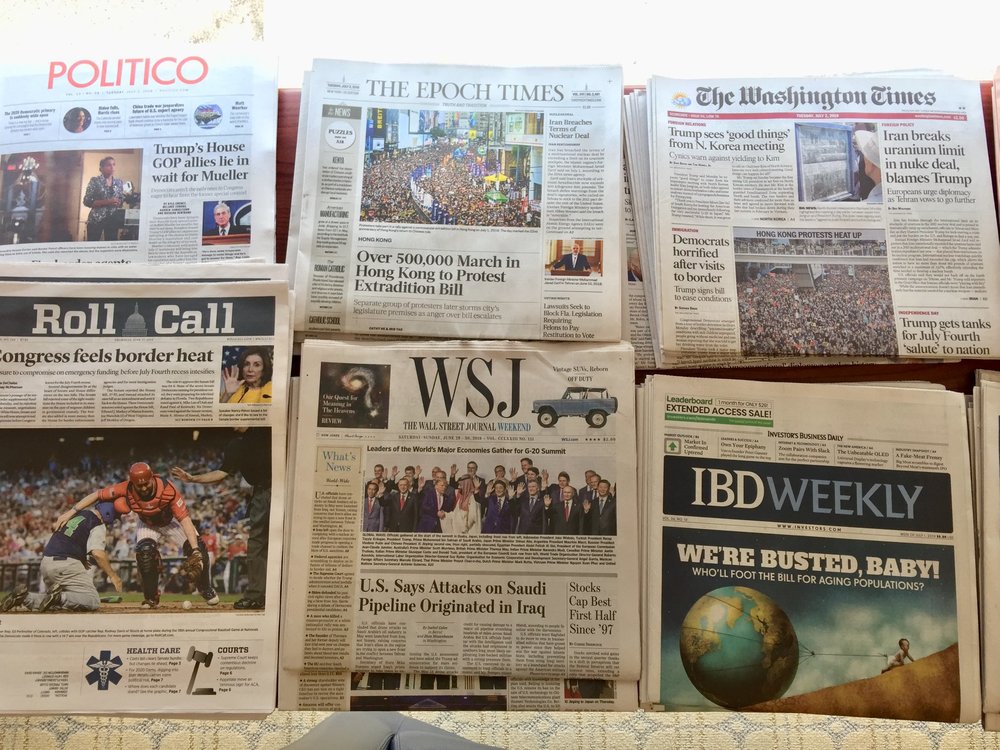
<point x="246" y="374"/>
<point x="581" y="258"/>
<point x="225" y="222"/>
<point x="354" y="395"/>
<point x="77" y="120"/>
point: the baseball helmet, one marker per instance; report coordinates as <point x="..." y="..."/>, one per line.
<point x="107" y="511"/>
<point x="139" y="472"/>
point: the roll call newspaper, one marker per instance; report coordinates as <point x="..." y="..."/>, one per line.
<point x="168" y="402"/>
<point x="164" y="156"/>
<point x="810" y="549"/>
<point x="473" y="511"/>
<point x="470" y="202"/>
<point x="824" y="216"/>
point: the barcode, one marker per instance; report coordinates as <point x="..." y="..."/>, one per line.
<point x="336" y="159"/>
<point x="328" y="269"/>
<point x="334" y="214"/>
<point x="329" y="320"/>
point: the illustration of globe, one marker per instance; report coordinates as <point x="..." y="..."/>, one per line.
<point x="738" y="647"/>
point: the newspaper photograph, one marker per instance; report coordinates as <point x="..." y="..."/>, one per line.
<point x="143" y="424"/>
<point x="824" y="217"/>
<point x="374" y="691"/>
<point x="810" y="549"/>
<point x="160" y="158"/>
<point x="466" y="202"/>
<point x="472" y="511"/>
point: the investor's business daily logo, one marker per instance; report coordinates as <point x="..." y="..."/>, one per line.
<point x="104" y="670"/>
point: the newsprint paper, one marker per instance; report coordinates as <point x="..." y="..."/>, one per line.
<point x="988" y="456"/>
<point x="810" y="549"/>
<point x="464" y="509"/>
<point x="837" y="216"/>
<point x="165" y="157"/>
<point x="468" y="202"/>
<point x="162" y="407"/>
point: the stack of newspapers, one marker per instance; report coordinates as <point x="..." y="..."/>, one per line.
<point x="144" y="406"/>
<point x="461" y="500"/>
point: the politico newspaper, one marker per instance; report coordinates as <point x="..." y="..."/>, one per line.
<point x="825" y="217"/>
<point x="162" y="406"/>
<point x="464" y="509"/>
<point x="810" y="548"/>
<point x="468" y="202"/>
<point x="164" y="157"/>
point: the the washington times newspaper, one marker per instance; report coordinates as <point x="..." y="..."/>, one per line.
<point x="809" y="548"/>
<point x="164" y="156"/>
<point x="468" y="202"/>
<point x="825" y="217"/>
<point x="140" y="545"/>
<point x="464" y="508"/>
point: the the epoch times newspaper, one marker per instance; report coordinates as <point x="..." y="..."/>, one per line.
<point x="162" y="157"/>
<point x="143" y="426"/>
<point x="465" y="508"/>
<point x="809" y="549"/>
<point x="469" y="202"/>
<point x="828" y="216"/>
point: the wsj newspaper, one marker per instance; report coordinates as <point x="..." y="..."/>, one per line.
<point x="160" y="158"/>
<point x="464" y="509"/>
<point x="163" y="406"/>
<point x="469" y="202"/>
<point x="828" y="217"/>
<point x="810" y="549"/>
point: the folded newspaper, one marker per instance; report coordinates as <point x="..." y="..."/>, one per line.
<point x="143" y="425"/>
<point x="467" y="202"/>
<point x="987" y="454"/>
<point x="823" y="216"/>
<point x="458" y="511"/>
<point x="809" y="549"/>
<point x="164" y="157"/>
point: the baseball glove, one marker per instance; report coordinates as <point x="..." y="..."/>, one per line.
<point x="192" y="566"/>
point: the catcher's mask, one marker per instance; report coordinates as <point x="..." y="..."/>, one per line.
<point x="140" y="476"/>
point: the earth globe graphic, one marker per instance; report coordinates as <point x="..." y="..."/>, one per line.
<point x="738" y="647"/>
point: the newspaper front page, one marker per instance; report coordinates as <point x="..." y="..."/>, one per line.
<point x="143" y="424"/>
<point x="465" y="509"/>
<point x="469" y="202"/>
<point x="165" y="157"/>
<point x="846" y="216"/>
<point x="810" y="549"/>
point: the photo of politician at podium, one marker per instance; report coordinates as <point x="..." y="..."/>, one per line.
<point x="575" y="258"/>
<point x="225" y="222"/>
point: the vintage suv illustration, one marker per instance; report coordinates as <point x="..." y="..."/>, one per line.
<point x="593" y="404"/>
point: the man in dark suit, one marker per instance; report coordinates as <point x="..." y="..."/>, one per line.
<point x="402" y="508"/>
<point x="498" y="513"/>
<point x="531" y="510"/>
<point x="590" y="491"/>
<point x="223" y="225"/>
<point x="371" y="509"/>
<point x="575" y="260"/>
<point x="565" y="516"/>
<point x="600" y="514"/>
<point x="436" y="501"/>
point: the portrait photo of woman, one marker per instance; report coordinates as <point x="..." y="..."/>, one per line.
<point x="248" y="381"/>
